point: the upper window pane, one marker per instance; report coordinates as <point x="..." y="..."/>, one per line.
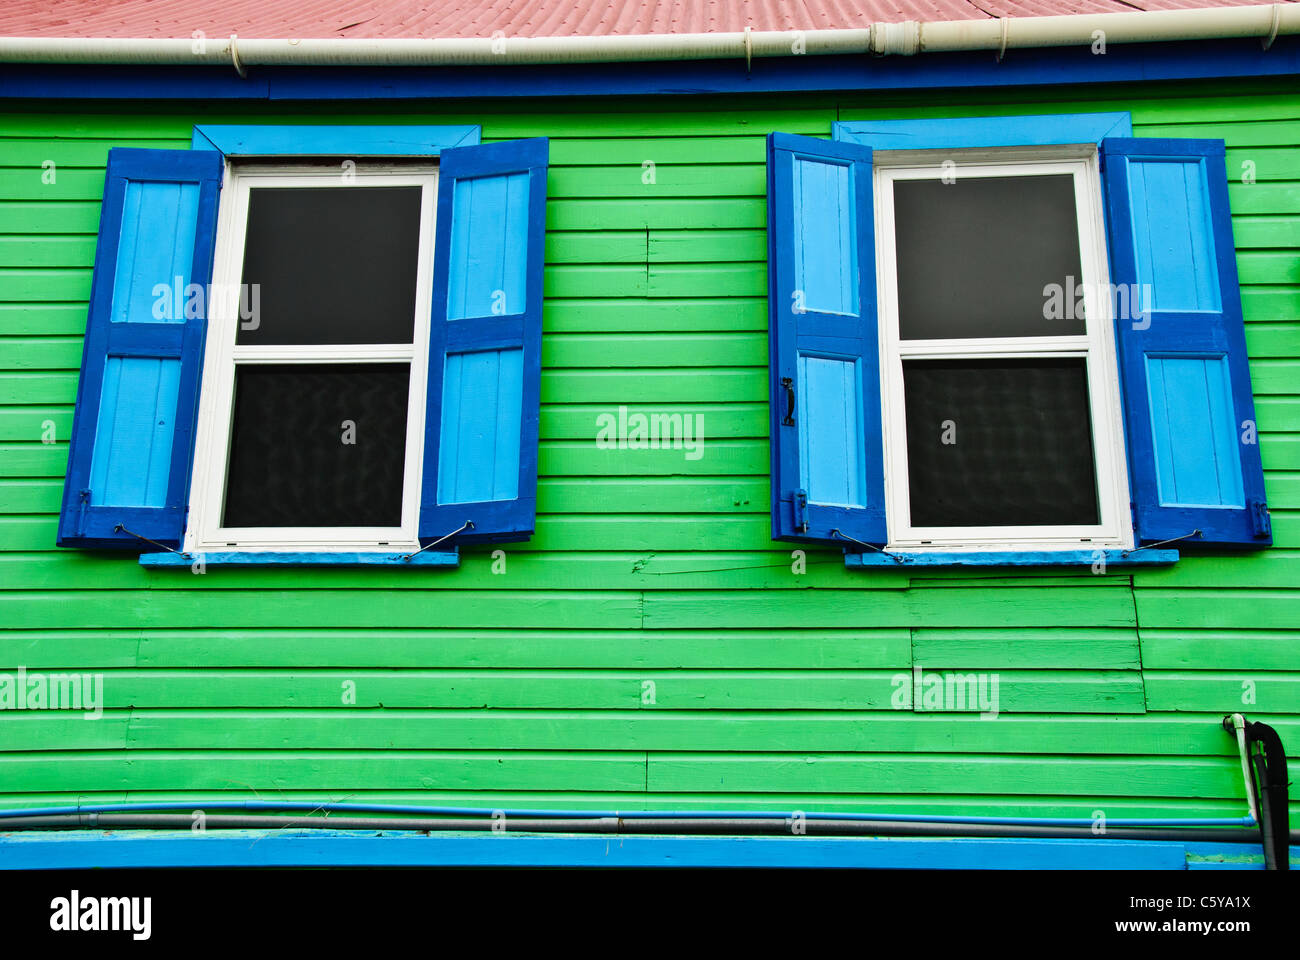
<point x="976" y="254"/>
<point x="332" y="265"/>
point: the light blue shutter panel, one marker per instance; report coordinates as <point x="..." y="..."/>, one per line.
<point x="481" y="424"/>
<point x="1194" y="462"/>
<point x="827" y="453"/>
<point x="132" y="442"/>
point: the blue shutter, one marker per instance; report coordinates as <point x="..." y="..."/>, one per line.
<point x="1194" y="459"/>
<point x="132" y="441"/>
<point x="827" y="459"/>
<point x="480" y="457"/>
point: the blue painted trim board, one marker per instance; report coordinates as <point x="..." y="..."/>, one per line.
<point x="1009" y="131"/>
<point x="1144" y="557"/>
<point x="74" y="849"/>
<point x="254" y="140"/>
<point x="1138" y="63"/>
<point x="183" y="561"/>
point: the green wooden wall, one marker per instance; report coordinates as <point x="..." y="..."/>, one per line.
<point x="529" y="687"/>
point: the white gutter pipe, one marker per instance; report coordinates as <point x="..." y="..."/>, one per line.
<point x="1265" y="22"/>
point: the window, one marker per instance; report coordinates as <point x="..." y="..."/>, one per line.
<point x="1011" y="338"/>
<point x="311" y="420"/>
<point x="1001" y="398"/>
<point x="370" y="372"/>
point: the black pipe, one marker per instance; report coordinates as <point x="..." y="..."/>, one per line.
<point x="1269" y="769"/>
<point x="634" y="825"/>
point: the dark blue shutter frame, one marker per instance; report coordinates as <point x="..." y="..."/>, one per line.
<point x="826" y="427"/>
<point x="481" y="424"/>
<point x="132" y="443"/>
<point x="1194" y="461"/>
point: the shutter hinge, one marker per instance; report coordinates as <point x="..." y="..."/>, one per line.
<point x="83" y="499"/>
<point x="1259" y="518"/>
<point x="801" y="511"/>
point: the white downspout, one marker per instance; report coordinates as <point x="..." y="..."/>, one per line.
<point x="904" y="39"/>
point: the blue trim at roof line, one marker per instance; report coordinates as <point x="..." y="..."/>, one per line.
<point x="1142" y="557"/>
<point x="430" y="558"/>
<point x="1010" y="131"/>
<point x="260" y="140"/>
<point x="1147" y="62"/>
<point x="74" y="849"/>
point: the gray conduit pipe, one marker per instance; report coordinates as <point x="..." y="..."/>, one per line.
<point x="629" y="825"/>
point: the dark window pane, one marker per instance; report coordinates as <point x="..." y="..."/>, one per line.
<point x="974" y="256"/>
<point x="332" y="264"/>
<point x="317" y="445"/>
<point x="995" y="443"/>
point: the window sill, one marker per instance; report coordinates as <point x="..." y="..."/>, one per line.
<point x="1141" y="557"/>
<point x="430" y="558"/>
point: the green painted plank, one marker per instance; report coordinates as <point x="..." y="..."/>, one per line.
<point x="1273" y="340"/>
<point x="1266" y="231"/>
<point x="32" y="152"/>
<point x="707" y="280"/>
<point x="1092" y="648"/>
<point x="659" y="150"/>
<point x="1249" y="692"/>
<point x="1240" y="648"/>
<point x="64" y="217"/>
<point x="1269" y="198"/>
<point x="49" y="284"/>
<point x="676" y="349"/>
<point x="636" y="315"/>
<point x="1275" y="377"/>
<point x="1102" y="605"/>
<point x="60" y="387"/>
<point x="666" y="214"/>
<point x="40" y="353"/>
<point x="43" y="183"/>
<point x="1268" y="304"/>
<point x="493" y="647"/>
<point x="641" y="386"/>
<point x="596" y="246"/>
<point x="698" y="458"/>
<point x="481" y="568"/>
<point x="1260" y="609"/>
<point x="1268" y="268"/>
<point x="47" y="251"/>
<point x="45" y="319"/>
<point x="319" y="608"/>
<point x="558" y="421"/>
<point x="1270" y="568"/>
<point x="648" y="179"/>
<point x="331" y="770"/>
<point x="1254" y="133"/>
<point x="750" y="731"/>
<point x="1025" y="691"/>
<point x="700" y="246"/>
<point x="33" y="459"/>
<point x="837" y="773"/>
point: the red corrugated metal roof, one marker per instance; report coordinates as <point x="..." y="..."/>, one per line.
<point x="373" y="19"/>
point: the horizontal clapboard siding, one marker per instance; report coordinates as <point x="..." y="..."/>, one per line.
<point x="650" y="646"/>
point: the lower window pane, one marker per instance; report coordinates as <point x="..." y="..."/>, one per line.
<point x="999" y="443"/>
<point x="317" y="445"/>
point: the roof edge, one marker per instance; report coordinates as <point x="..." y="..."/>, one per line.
<point x="1266" y="22"/>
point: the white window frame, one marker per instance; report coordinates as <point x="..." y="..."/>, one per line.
<point x="1096" y="345"/>
<point x="204" y="531"/>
